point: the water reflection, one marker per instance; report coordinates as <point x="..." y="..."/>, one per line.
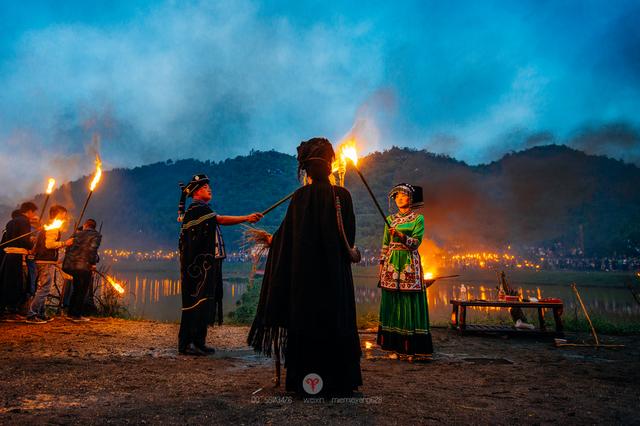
<point x="156" y="295"/>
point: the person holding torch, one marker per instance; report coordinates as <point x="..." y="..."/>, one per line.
<point x="201" y="253"/>
<point x="307" y="312"/>
<point x="47" y="247"/>
<point x="404" y="313"/>
<point x="17" y="244"/>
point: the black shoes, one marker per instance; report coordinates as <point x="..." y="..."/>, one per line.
<point x="34" y="319"/>
<point x="191" y="350"/>
<point x="206" y="349"/>
<point x="196" y="350"/>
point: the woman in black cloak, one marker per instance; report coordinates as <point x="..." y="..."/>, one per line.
<point x="307" y="307"/>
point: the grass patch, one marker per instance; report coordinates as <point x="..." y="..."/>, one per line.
<point x="602" y="325"/>
<point x="107" y="302"/>
<point x="246" y="306"/>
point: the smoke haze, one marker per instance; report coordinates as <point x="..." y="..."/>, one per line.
<point x="212" y="80"/>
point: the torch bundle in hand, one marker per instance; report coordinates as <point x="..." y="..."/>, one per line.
<point x="92" y="187"/>
<point x="56" y="224"/>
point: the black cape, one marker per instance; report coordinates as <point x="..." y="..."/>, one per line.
<point x="307" y="305"/>
<point x="13" y="280"/>
<point x="201" y="254"/>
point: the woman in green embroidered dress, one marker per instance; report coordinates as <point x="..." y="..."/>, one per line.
<point x="404" y="312"/>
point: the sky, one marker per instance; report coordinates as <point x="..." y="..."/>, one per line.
<point x="159" y="80"/>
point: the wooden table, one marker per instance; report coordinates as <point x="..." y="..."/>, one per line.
<point x="459" y="314"/>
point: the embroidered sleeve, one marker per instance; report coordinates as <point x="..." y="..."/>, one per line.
<point x="385" y="243"/>
<point x="383" y="254"/>
<point x="413" y="241"/>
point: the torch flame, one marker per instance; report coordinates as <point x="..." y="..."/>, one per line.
<point x="428" y="275"/>
<point x="335" y="166"/>
<point x="117" y="287"/>
<point x="52" y="183"/>
<point x="96" y="177"/>
<point x="348" y="151"/>
<point x="56" y="224"/>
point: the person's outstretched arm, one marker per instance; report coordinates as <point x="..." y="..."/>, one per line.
<point x="234" y="220"/>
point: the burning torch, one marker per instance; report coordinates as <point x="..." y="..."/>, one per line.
<point x="94" y="183"/>
<point x="116" y="286"/>
<point x="348" y="152"/>
<point x="56" y="224"/>
<point x="51" y="184"/>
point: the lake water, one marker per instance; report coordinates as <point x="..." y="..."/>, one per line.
<point x="154" y="293"/>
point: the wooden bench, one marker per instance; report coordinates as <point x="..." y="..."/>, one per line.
<point x="459" y="315"/>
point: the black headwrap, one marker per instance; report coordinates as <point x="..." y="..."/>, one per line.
<point x="314" y="151"/>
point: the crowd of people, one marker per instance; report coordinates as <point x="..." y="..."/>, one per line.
<point x="31" y="255"/>
<point x="585" y="263"/>
<point x="306" y="311"/>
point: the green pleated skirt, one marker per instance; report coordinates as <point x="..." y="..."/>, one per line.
<point x="404" y="322"/>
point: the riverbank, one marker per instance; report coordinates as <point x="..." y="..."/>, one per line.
<point x="153" y="293"/>
<point x="119" y="371"/>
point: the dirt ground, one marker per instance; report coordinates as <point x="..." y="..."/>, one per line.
<point x="121" y="372"/>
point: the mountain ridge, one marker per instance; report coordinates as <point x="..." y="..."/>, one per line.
<point x="550" y="195"/>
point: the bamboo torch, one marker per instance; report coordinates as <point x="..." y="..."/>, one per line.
<point x="92" y="187"/>
<point x="278" y="203"/>
<point x="342" y="169"/>
<point x="348" y="152"/>
<point x="50" y="185"/>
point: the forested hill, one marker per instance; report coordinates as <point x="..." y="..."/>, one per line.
<point x="547" y="195"/>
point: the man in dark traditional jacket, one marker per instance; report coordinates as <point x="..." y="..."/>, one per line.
<point x="80" y="261"/>
<point x="201" y="253"/>
<point x="307" y="307"/>
<point x="13" y="279"/>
